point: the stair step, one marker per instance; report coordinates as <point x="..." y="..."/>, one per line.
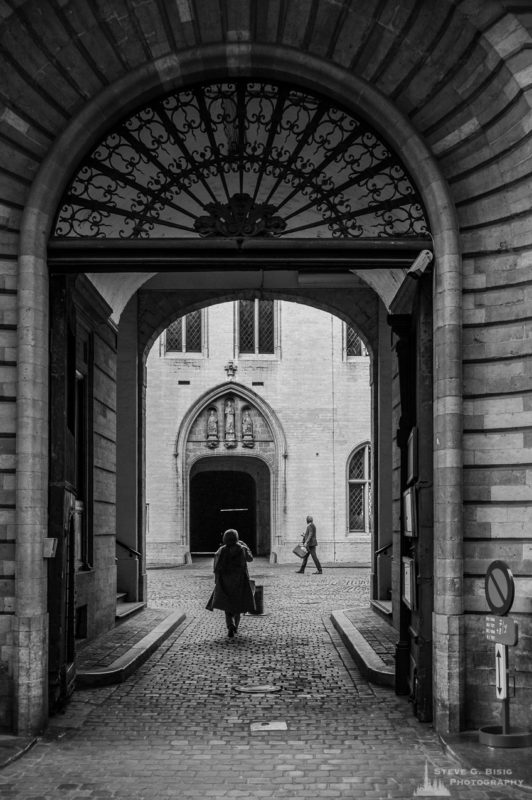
<point x="120" y="596"/>
<point x="384" y="607"/>
<point x="124" y="610"/>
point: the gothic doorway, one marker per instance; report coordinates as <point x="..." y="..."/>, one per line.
<point x="229" y="492"/>
<point x="218" y="501"/>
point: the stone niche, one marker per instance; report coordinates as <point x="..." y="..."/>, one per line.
<point x="230" y="423"/>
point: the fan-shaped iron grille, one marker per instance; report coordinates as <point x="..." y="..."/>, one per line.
<point x="241" y="159"/>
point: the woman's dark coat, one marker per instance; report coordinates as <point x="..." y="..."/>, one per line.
<point x="232" y="588"/>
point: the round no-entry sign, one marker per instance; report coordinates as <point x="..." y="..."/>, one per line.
<point x="499" y="587"/>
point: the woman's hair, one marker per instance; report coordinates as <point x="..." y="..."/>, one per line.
<point x="230" y="536"/>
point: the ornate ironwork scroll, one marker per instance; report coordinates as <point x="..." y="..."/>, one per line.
<point x="241" y="217"/>
<point x="241" y="159"/>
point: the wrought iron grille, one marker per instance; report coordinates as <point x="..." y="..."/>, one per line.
<point x="241" y="159"/>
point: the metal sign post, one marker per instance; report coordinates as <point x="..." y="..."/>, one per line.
<point x="502" y="630"/>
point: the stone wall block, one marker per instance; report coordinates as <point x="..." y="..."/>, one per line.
<point x="449" y="671"/>
<point x="104" y="518"/>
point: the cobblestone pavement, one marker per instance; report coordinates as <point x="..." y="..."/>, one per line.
<point x="178" y="728"/>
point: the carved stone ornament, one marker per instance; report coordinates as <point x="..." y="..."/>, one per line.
<point x="212" y="429"/>
<point x="248" y="439"/>
<point x="241" y="217"/>
<point x="229" y="414"/>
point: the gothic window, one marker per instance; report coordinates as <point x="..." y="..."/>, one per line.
<point x="354" y="346"/>
<point x="185" y="334"/>
<point x="256" y="327"/>
<point x="359" y="490"/>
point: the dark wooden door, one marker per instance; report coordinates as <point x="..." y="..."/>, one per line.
<point x="62" y="495"/>
<point x="415" y="441"/>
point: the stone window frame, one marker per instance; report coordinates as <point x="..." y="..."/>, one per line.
<point x="366" y="482"/>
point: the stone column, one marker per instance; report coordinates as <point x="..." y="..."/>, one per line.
<point x="30" y="622"/>
<point x="448" y="536"/>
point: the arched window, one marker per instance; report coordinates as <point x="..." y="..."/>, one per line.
<point x="359" y="490"/>
<point x="354" y="346"/>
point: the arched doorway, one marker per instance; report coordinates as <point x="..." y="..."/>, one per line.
<point x="423" y="167"/>
<point x="230" y="492"/>
<point x="219" y="501"/>
<point x="257" y="455"/>
<point x="272" y="164"/>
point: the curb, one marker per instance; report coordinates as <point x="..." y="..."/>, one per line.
<point x="123" y="667"/>
<point x="370" y="664"/>
<point x="17" y="751"/>
<point x="473" y="756"/>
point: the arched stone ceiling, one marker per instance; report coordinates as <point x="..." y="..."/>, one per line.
<point x="459" y="70"/>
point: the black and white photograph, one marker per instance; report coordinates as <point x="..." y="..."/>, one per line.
<point x="265" y="399"/>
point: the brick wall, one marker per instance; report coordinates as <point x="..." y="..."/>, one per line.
<point x="8" y="375"/>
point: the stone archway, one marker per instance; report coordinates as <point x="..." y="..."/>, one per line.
<point x="33" y="285"/>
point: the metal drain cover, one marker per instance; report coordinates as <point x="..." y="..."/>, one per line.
<point x="266" y="688"/>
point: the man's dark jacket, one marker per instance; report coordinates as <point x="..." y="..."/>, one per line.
<point x="309" y="540"/>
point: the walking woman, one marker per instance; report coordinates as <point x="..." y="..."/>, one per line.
<point x="232" y="588"/>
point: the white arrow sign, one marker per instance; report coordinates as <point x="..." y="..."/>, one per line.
<point x="501" y="667"/>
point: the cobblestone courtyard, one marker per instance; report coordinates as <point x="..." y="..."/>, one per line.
<point x="179" y="729"/>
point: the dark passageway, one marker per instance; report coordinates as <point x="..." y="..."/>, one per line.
<point x="220" y="500"/>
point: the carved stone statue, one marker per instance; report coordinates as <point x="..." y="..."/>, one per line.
<point x="229" y="412"/>
<point x="248" y="439"/>
<point x="212" y="428"/>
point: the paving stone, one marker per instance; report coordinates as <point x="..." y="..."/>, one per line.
<point x="177" y="729"/>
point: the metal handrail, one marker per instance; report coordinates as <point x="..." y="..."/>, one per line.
<point x="127" y="547"/>
<point x="382" y="549"/>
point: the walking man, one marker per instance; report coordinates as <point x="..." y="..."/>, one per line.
<point x="310" y="542"/>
